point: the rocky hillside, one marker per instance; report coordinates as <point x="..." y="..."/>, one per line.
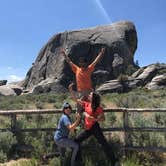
<point x="50" y="72"/>
<point x="150" y="77"/>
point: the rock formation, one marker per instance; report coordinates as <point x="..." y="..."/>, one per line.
<point x="3" y="82"/>
<point x="50" y="72"/>
<point x="10" y="90"/>
<point x="150" y="77"/>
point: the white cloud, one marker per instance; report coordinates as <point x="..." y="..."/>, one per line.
<point x="14" y="78"/>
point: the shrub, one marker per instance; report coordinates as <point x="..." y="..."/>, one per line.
<point x="132" y="161"/>
<point x="122" y="78"/>
<point x="146" y="138"/>
<point x="55" y="162"/>
<point x="39" y="105"/>
<point x="7" y="140"/>
<point x="3" y="156"/>
<point x="131" y="69"/>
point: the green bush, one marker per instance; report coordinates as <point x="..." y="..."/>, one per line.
<point x="132" y="161"/>
<point x="3" y="156"/>
<point x="7" y="140"/>
<point x="55" y="162"/>
<point x="122" y="78"/>
<point x="146" y="138"/>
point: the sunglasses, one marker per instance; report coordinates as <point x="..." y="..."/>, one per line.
<point x="67" y="107"/>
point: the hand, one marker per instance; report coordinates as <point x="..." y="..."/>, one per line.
<point x="71" y="86"/>
<point x="78" y="116"/>
<point x="62" y="51"/>
<point x="102" y="50"/>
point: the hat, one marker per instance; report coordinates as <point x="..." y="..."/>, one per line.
<point x="66" y="105"/>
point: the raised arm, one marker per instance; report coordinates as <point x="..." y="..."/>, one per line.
<point x="99" y="56"/>
<point x="73" y="94"/>
<point x="68" y="60"/>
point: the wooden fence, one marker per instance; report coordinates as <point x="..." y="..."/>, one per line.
<point x="13" y="114"/>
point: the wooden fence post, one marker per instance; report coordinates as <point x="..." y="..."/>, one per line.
<point x="127" y="138"/>
<point x="13" y="123"/>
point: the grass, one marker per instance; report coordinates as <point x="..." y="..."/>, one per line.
<point x="43" y="142"/>
<point x="138" y="98"/>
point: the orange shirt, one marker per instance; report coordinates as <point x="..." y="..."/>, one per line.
<point x="88" y="122"/>
<point x="83" y="77"/>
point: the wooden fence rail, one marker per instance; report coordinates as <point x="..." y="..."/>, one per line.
<point x="126" y="128"/>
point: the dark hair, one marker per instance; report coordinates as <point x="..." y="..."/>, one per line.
<point x="64" y="106"/>
<point x="95" y="101"/>
<point x="83" y="59"/>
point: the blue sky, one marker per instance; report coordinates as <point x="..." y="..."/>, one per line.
<point x="26" y="25"/>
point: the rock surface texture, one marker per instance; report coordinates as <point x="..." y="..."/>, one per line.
<point x="50" y="72"/>
<point x="150" y="77"/>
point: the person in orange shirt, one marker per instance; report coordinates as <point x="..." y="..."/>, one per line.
<point x="83" y="72"/>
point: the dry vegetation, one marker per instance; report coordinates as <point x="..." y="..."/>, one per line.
<point x="43" y="141"/>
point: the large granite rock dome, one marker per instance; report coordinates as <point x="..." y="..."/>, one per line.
<point x="51" y="71"/>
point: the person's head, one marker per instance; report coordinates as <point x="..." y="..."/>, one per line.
<point x="66" y="108"/>
<point x="83" y="62"/>
<point x="94" y="98"/>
